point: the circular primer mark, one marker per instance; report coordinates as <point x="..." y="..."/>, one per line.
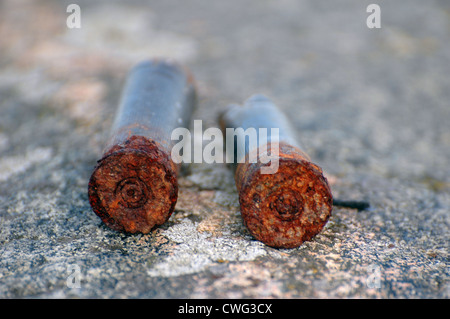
<point x="133" y="192"/>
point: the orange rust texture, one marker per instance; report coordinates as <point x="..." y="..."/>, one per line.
<point x="289" y="207"/>
<point x="134" y="186"/>
<point x="129" y="132"/>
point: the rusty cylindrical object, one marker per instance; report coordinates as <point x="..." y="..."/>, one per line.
<point x="134" y="185"/>
<point x="290" y="206"/>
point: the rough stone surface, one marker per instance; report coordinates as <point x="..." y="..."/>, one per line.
<point x="371" y="106"/>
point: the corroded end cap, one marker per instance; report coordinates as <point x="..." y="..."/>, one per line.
<point x="134" y="186"/>
<point x="287" y="208"/>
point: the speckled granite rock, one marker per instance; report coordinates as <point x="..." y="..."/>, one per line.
<point x="370" y="107"/>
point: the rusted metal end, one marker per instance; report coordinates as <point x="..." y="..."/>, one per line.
<point x="291" y="206"/>
<point x="286" y="208"/>
<point x="134" y="185"/>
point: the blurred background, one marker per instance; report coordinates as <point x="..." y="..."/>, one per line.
<point x="381" y="95"/>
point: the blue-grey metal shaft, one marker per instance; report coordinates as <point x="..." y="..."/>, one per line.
<point x="258" y="112"/>
<point x="158" y="97"/>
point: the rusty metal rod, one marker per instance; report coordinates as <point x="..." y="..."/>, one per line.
<point x="353" y="204"/>
<point x="134" y="185"/>
<point x="292" y="205"/>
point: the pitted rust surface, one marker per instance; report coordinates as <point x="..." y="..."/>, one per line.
<point x="134" y="186"/>
<point x="286" y="208"/>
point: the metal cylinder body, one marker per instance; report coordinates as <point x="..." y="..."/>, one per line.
<point x="288" y="206"/>
<point x="134" y="185"/>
